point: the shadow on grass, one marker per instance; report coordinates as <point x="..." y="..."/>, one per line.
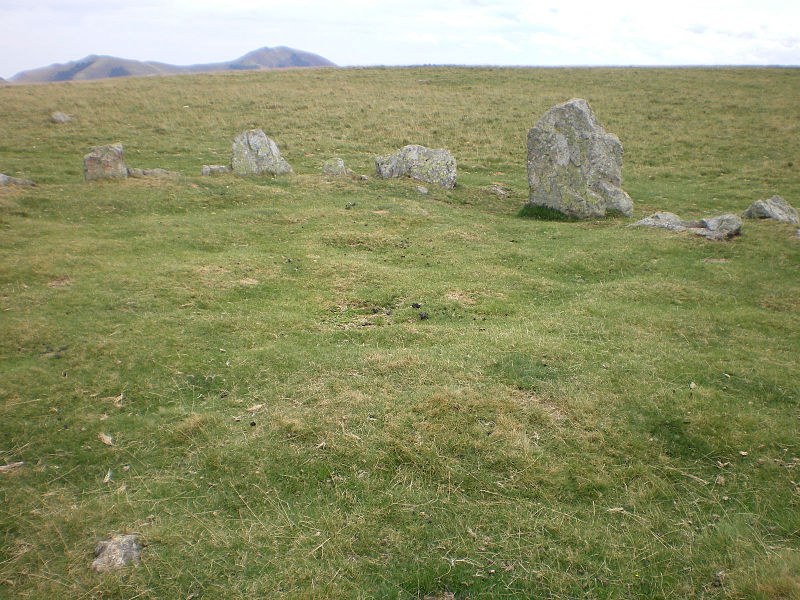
<point x="542" y="213"/>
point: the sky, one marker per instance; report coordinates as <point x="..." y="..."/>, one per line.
<point x="37" y="33"/>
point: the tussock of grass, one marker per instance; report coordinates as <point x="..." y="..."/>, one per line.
<point x="286" y="424"/>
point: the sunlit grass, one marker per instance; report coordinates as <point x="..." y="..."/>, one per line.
<point x="334" y="388"/>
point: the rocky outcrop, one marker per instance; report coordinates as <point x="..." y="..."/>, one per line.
<point x="418" y="162"/>
<point x="6" y="180"/>
<point x="115" y="552"/>
<point x="774" y="208"/>
<point x="722" y="227"/>
<point x="256" y="154"/>
<point x="105" y="162"/>
<point x="574" y="165"/>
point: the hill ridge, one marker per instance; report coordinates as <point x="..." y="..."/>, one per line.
<point x="101" y="66"/>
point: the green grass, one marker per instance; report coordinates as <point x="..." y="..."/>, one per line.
<point x="287" y="425"/>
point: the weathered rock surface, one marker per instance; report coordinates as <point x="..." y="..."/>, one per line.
<point x="105" y="162"/>
<point x="574" y="166"/>
<point x="115" y="552"/>
<point x="418" y="162"/>
<point x="721" y="227"/>
<point x="256" y="154"/>
<point x="7" y="180"/>
<point x="713" y="228"/>
<point x="215" y="170"/>
<point x="774" y="208"/>
<point x="141" y="173"/>
<point x="60" y="118"/>
<point x="335" y="166"/>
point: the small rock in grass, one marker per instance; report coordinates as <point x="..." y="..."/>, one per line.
<point x="774" y="208"/>
<point x="420" y="163"/>
<point x="135" y="173"/>
<point x="116" y="551"/>
<point x="421" y="189"/>
<point x="6" y="180"/>
<point x="335" y="166"/>
<point x="215" y="170"/>
<point x="60" y="118"/>
<point x="497" y="190"/>
<point x="721" y="227"/>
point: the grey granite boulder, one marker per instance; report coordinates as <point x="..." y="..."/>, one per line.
<point x="256" y="154"/>
<point x="665" y="220"/>
<point x="774" y="208"/>
<point x="717" y="228"/>
<point x="334" y="166"/>
<point x="116" y="551"/>
<point x="215" y="170"/>
<point x="721" y="227"/>
<point x="574" y="166"/>
<point x="105" y="162"/>
<point x="60" y="118"/>
<point x="6" y="180"/>
<point x="418" y="162"/>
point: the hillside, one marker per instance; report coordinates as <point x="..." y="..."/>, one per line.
<point x="103" y="67"/>
<point x="324" y="388"/>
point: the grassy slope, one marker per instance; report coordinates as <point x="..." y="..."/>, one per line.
<point x="535" y="437"/>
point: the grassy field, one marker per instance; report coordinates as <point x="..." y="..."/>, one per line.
<point x="588" y="410"/>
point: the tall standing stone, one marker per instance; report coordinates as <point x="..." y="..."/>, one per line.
<point x="421" y="163"/>
<point x="105" y="162"/>
<point x="256" y="154"/>
<point x="574" y="165"/>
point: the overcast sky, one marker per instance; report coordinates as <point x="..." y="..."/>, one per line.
<point x="36" y="33"/>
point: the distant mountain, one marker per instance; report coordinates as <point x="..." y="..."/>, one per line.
<point x="101" y="67"/>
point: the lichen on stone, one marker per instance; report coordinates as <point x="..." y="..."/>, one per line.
<point x="418" y="162"/>
<point x="574" y="165"/>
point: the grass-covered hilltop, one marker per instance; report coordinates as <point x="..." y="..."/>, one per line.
<point x="322" y="387"/>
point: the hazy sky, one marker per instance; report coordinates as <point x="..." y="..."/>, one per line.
<point x="36" y="33"/>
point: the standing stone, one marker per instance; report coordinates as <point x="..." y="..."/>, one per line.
<point x="421" y="163"/>
<point x="775" y="208"/>
<point x="256" y="154"/>
<point x="115" y="552"/>
<point x="574" y="166"/>
<point x="105" y="162"/>
<point x="60" y="118"/>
